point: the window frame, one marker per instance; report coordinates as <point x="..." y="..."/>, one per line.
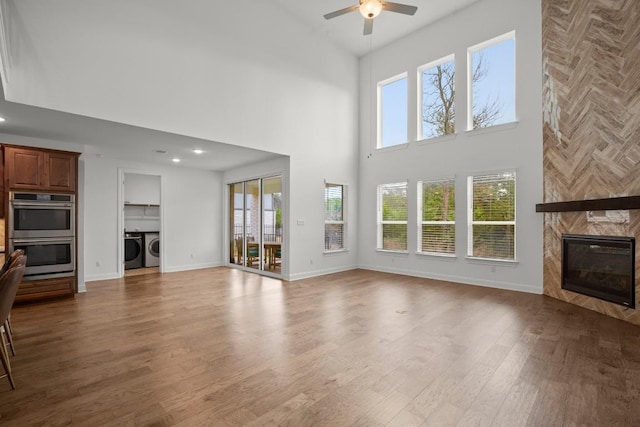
<point x="334" y="222"/>
<point x="420" y="95"/>
<point x="379" y="127"/>
<point x="381" y="222"/>
<point x="421" y="222"/>
<point x="511" y="35"/>
<point x="471" y="222"/>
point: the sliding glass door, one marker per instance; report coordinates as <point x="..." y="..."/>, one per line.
<point x="255" y="224"/>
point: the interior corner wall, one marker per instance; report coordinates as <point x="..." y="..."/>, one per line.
<point x="191" y="207"/>
<point x="516" y="147"/>
<point x="591" y="128"/>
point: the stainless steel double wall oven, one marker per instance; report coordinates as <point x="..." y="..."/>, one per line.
<point x="44" y="226"/>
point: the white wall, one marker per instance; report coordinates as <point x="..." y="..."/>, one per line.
<point x="303" y="244"/>
<point x="518" y="147"/>
<point x="141" y="189"/>
<point x="191" y="211"/>
<point x="269" y="84"/>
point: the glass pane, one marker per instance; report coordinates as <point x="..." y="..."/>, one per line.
<point x="438" y="92"/>
<point x="494" y="197"/>
<point x="394" y="202"/>
<point x="438" y="238"/>
<point x="494" y="241"/>
<point x="272" y="223"/>
<point x="333" y="202"/>
<point x="333" y="237"/>
<point x="439" y="200"/>
<point x="393" y="110"/>
<point x="494" y="89"/>
<point x="252" y="224"/>
<point x="394" y="237"/>
<point x="236" y="244"/>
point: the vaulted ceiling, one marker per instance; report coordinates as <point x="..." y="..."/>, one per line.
<point x="44" y="96"/>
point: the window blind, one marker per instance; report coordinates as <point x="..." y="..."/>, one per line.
<point x="436" y="225"/>
<point x="493" y="215"/>
<point x="333" y="217"/>
<point x="392" y="216"/>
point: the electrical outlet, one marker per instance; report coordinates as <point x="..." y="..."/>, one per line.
<point x="97" y="263"/>
<point x="193" y="256"/>
<point x="311" y="261"/>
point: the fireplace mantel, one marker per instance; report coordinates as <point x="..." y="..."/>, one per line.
<point x="607" y="204"/>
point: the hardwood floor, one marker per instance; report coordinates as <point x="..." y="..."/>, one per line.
<point x="223" y="347"/>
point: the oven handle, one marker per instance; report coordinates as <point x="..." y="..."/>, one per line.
<point x="41" y="205"/>
<point x="40" y="241"/>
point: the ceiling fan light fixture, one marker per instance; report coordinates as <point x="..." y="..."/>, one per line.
<point x="370" y="8"/>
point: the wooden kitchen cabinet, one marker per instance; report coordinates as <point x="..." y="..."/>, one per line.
<point x="31" y="290"/>
<point x="27" y="169"/>
<point x="38" y="169"/>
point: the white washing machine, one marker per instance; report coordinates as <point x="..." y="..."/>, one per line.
<point x="151" y="249"/>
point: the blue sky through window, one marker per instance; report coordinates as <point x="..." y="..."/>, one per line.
<point x="498" y="84"/>
<point x="394" y="113"/>
<point x="497" y="87"/>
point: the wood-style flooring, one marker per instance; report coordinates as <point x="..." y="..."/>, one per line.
<point x="223" y="347"/>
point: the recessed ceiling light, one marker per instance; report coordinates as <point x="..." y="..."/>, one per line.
<point x="198" y="151"/>
<point x="2" y="119"/>
<point x="175" y="160"/>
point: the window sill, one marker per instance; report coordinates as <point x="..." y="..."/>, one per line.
<point x="436" y="139"/>
<point x="335" y="252"/>
<point x="391" y="252"/>
<point x="393" y="148"/>
<point x="491" y="129"/>
<point x="448" y="257"/>
<point x="495" y="261"/>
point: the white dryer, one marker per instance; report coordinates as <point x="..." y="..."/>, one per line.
<point x="151" y="249"/>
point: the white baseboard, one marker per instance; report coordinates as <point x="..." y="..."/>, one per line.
<point x="458" y="279"/>
<point x="176" y="268"/>
<point x="315" y="273"/>
<point x="97" y="277"/>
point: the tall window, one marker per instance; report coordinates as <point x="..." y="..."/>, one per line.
<point x="491" y="74"/>
<point x="392" y="111"/>
<point x="437" y="112"/>
<point x="334" y="232"/>
<point x="392" y="216"/>
<point x="437" y="216"/>
<point x="492" y="215"/>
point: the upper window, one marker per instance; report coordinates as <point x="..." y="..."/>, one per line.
<point x="492" y="215"/>
<point x="392" y="216"/>
<point x="392" y="111"/>
<point x="334" y="217"/>
<point x="437" y="112"/>
<point x="437" y="216"/>
<point x="491" y="74"/>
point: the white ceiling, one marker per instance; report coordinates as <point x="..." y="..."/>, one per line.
<point x="346" y="30"/>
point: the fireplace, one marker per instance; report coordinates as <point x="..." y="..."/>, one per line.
<point x="600" y="266"/>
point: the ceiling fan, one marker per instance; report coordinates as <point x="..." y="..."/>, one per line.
<point x="372" y="8"/>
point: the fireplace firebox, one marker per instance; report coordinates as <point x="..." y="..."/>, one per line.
<point x="600" y="266"/>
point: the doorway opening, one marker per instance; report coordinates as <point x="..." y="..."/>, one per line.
<point x="140" y="223"/>
<point x="255" y="224"/>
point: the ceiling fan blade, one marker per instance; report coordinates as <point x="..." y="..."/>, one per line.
<point x="341" y="12"/>
<point x="368" y="26"/>
<point x="399" y="8"/>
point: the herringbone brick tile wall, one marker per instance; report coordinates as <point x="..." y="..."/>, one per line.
<point x="591" y="60"/>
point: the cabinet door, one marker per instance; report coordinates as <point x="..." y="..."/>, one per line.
<point x="61" y="169"/>
<point x="25" y="168"/>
